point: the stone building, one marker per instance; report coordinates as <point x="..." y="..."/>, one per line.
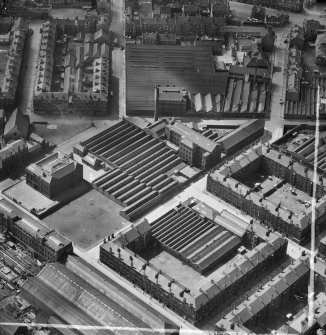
<point x="281" y="200"/>
<point x="54" y="174"/>
<point x="194" y="148"/>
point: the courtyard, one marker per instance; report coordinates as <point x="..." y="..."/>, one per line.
<point x="88" y="219"/>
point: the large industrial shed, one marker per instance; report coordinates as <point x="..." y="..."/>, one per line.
<point x="189" y="67"/>
<point x="61" y="293"/>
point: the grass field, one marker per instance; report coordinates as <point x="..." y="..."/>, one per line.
<point x="88" y="219"/>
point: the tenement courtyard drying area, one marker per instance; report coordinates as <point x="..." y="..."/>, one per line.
<point x="88" y="219"/>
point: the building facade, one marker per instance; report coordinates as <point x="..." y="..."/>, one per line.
<point x="227" y="183"/>
<point x="11" y="156"/>
<point x="170" y="101"/>
<point x="40" y="242"/>
<point x="292" y="5"/>
<point x="120" y="254"/>
<point x="54" y="174"/>
<point x="194" y="148"/>
<point x="268" y="299"/>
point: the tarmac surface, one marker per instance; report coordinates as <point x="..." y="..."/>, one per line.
<point x="88" y="219"/>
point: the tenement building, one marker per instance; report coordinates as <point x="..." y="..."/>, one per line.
<point x="194" y="148"/>
<point x="202" y="244"/>
<point x="33" y="235"/>
<point x="267" y="300"/>
<point x="54" y="174"/>
<point x="273" y="188"/>
<point x="77" y="82"/>
<point x="9" y="75"/>
<point x="291" y="5"/>
<point x="12" y="156"/>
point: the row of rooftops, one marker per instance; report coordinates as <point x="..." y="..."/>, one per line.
<point x="300" y="323"/>
<point x="33" y="226"/>
<point x="71" y="98"/>
<point x="241" y="133"/>
<point x="265" y="295"/>
<point x="181" y="20"/>
<point x="193" y="136"/>
<point x="96" y="52"/>
<point x="194" y="8"/>
<point x="11" y="149"/>
<point x="294" y="70"/>
<point x="225" y="172"/>
<point x="46" y="53"/>
<point x="212" y="285"/>
<point x="10" y="80"/>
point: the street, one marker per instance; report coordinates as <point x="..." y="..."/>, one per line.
<point x="117" y="104"/>
<point x="26" y="88"/>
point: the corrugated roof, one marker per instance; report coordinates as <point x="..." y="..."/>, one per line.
<point x="183" y="66"/>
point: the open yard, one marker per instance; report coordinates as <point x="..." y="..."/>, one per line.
<point x="88" y="219"/>
<point x="176" y="269"/>
<point x="58" y="133"/>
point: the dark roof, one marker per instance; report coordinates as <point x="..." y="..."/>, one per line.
<point x="119" y="293"/>
<point x="241" y="70"/>
<point x="17" y="119"/>
<point x="190" y="67"/>
<point x="241" y="133"/>
<point x="99" y="308"/>
<point x="46" y="298"/>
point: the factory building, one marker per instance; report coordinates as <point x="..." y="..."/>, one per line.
<point x="54" y="174"/>
<point x="10" y="77"/>
<point x="242" y="136"/>
<point x="170" y="100"/>
<point x="143" y="168"/>
<point x="194" y="148"/>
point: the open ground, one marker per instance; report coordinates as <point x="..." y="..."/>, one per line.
<point x="88" y="219"/>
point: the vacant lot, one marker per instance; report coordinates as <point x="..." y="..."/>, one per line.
<point x="88" y="219"/>
<point x="61" y="132"/>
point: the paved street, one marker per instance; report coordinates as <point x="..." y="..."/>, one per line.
<point x="25" y="94"/>
<point x="118" y="84"/>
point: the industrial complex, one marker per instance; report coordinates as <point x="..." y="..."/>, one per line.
<point x="162" y="167"/>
